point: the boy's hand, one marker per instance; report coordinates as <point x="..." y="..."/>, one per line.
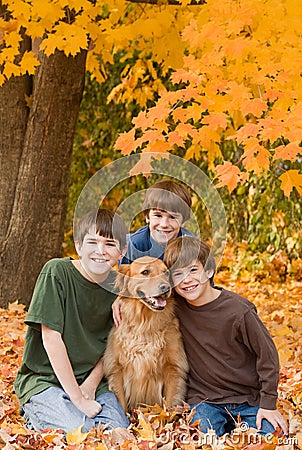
<point x="88" y="390"/>
<point x="89" y="407"/>
<point x="274" y="417"/>
<point x="116" y="311"/>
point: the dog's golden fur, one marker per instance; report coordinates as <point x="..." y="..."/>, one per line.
<point x="145" y="360"/>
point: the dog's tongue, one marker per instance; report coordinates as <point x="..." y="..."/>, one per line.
<point x="159" y="301"/>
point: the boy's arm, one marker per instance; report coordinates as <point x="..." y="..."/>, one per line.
<point x="267" y="366"/>
<point x="89" y="386"/>
<point x="116" y="312"/>
<point x="58" y="357"/>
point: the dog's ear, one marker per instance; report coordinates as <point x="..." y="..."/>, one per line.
<point x="124" y="268"/>
<point x="122" y="277"/>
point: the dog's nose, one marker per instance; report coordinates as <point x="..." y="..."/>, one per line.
<point x="164" y="287"/>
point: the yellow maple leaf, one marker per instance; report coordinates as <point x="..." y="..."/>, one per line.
<point x="193" y="152"/>
<point x="234" y="47"/>
<point x="76" y="437"/>
<point x="8" y="26"/>
<point x="100" y="446"/>
<point x="50" y="44"/>
<point x="213" y="152"/>
<point x="145" y="429"/>
<point x="29" y="63"/>
<point x="11" y="69"/>
<point x="205" y="136"/>
<point x="289" y="180"/>
<point x="93" y="66"/>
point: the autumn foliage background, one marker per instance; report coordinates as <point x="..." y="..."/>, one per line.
<point x="218" y="84"/>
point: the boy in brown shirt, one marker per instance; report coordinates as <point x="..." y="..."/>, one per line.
<point x="233" y="362"/>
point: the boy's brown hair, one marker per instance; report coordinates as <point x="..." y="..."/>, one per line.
<point x="167" y="195"/>
<point x="107" y="224"/>
<point x="184" y="250"/>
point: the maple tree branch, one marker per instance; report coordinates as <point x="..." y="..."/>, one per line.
<point x="169" y="2"/>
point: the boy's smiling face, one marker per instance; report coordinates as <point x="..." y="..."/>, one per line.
<point x="192" y="283"/>
<point x="98" y="254"/>
<point x="164" y="225"/>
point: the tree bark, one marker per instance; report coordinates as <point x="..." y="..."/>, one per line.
<point x="35" y="218"/>
<point x="13" y="119"/>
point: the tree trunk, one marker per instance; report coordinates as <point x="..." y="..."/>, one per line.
<point x="13" y="119"/>
<point x="35" y="219"/>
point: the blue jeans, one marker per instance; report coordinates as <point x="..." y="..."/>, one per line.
<point x="52" y="408"/>
<point x="222" y="417"/>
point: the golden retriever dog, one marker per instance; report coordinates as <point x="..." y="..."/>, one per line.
<point x="145" y="360"/>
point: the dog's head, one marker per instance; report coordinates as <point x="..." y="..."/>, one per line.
<point x="146" y="279"/>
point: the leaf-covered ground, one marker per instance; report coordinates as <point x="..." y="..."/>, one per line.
<point x="279" y="305"/>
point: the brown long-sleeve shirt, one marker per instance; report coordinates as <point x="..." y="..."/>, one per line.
<point x="231" y="355"/>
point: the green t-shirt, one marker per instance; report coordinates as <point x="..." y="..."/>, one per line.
<point x="80" y="310"/>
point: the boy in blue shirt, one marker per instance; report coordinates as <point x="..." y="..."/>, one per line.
<point x="166" y="207"/>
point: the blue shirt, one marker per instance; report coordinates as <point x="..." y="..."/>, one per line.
<point x="141" y="243"/>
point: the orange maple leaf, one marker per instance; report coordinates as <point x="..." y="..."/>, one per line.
<point x="228" y="175"/>
<point x="143" y="166"/>
<point x="271" y="129"/>
<point x="255" y="106"/>
<point x="149" y="136"/>
<point x="159" y="146"/>
<point x="174" y="138"/>
<point x="256" y="157"/>
<point x="245" y="132"/>
<point x="126" y="142"/>
<point x="142" y="121"/>
<point x="160" y="111"/>
<point x="289" y="151"/>
<point x="289" y="180"/>
<point x="180" y="114"/>
<point x="205" y="136"/>
<point x="216" y="120"/>
<point x="185" y="130"/>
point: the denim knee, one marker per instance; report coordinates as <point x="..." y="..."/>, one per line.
<point x="211" y="417"/>
<point x="52" y="408"/>
<point x="112" y="412"/>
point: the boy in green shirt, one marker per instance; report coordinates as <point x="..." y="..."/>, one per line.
<point x="60" y="383"/>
